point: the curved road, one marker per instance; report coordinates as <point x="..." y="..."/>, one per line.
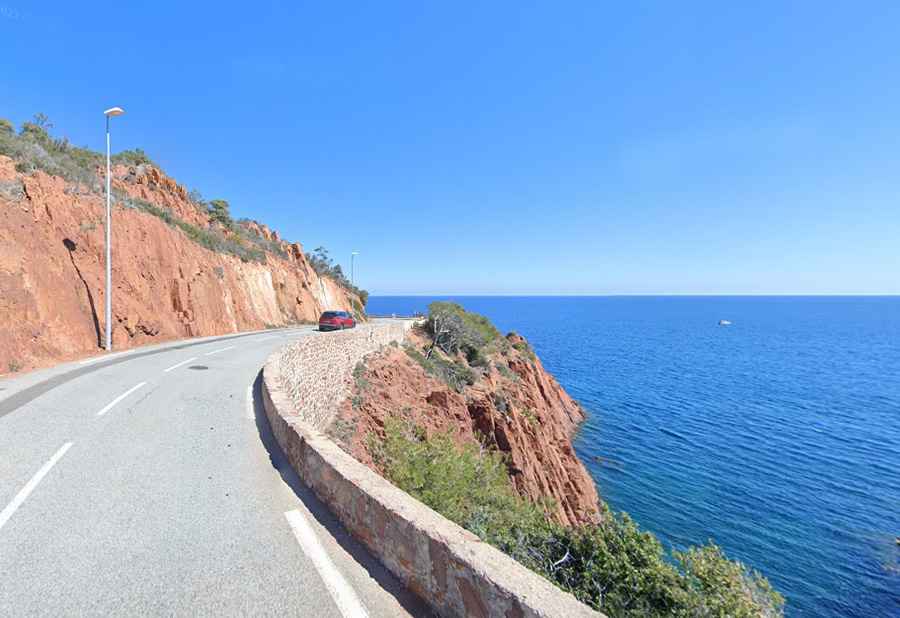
<point x="148" y="483"/>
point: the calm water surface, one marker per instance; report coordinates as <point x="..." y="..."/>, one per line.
<point x="777" y="436"/>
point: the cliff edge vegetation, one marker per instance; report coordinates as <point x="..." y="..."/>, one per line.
<point x="182" y="266"/>
<point x="469" y="422"/>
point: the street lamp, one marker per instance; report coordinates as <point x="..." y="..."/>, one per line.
<point x="113" y="111"/>
<point x="352" y="278"/>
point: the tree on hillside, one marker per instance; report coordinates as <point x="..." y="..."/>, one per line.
<point x="41" y="120"/>
<point x="219" y="211"/>
<point x="454" y="329"/>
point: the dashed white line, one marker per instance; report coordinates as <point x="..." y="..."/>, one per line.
<point x="344" y="596"/>
<point x="109" y="406"/>
<point x="177" y="365"/>
<point x="219" y="350"/>
<point x="250" y="415"/>
<point x="29" y="487"/>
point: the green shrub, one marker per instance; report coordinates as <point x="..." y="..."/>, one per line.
<point x="197" y="200"/>
<point x="6" y="127"/>
<point x="363" y="295"/>
<point x="476" y="357"/>
<point x="455" y="374"/>
<point x="612" y="566"/>
<point x="359" y="377"/>
<point x="132" y="157"/>
<point x="524" y="347"/>
<point x="506" y="372"/>
<point x="453" y="329"/>
<point x="530" y="416"/>
<point x="34" y="149"/>
<point x="466" y="486"/>
<point x="219" y="211"/>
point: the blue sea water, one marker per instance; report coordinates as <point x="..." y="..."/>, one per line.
<point x="777" y="436"/>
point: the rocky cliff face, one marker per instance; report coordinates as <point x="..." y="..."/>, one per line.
<point x="514" y="406"/>
<point x="165" y="285"/>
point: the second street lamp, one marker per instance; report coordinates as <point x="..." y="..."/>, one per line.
<point x="352" y="277"/>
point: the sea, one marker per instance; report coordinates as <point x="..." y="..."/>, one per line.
<point x="776" y="436"/>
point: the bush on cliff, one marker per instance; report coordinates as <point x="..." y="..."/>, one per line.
<point x="612" y="566"/>
<point x="454" y="373"/>
<point x="133" y="157"/>
<point x="219" y="211"/>
<point x="453" y="330"/>
<point x="33" y="148"/>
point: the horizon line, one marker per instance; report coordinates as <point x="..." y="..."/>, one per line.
<point x="650" y="294"/>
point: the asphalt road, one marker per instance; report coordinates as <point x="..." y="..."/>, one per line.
<point x="149" y="483"/>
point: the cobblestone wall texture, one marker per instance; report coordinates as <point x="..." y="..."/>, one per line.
<point x="317" y="371"/>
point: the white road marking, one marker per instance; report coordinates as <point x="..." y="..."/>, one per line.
<point x="269" y="337"/>
<point x="102" y="357"/>
<point x="177" y="365"/>
<point x="344" y="596"/>
<point x="29" y="487"/>
<point x="119" y="398"/>
<point x="250" y="414"/>
<point x="220" y="350"/>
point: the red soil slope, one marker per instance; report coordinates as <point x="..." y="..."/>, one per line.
<point x="522" y="412"/>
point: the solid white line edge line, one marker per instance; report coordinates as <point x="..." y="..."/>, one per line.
<point x="94" y="359"/>
<point x="344" y="596"/>
<point x="231" y="347"/>
<point x="177" y="365"/>
<point x="119" y="398"/>
<point x="250" y="413"/>
<point x="31" y="484"/>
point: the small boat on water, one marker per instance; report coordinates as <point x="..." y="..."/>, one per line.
<point x="724" y="323"/>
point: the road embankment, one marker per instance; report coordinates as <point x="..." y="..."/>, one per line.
<point x="447" y="566"/>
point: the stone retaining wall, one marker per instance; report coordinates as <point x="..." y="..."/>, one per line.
<point x="316" y="370"/>
<point x="447" y="566"/>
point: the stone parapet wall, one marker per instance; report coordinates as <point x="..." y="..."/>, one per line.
<point x="450" y="568"/>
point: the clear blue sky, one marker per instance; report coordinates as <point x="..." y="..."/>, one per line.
<point x="507" y="147"/>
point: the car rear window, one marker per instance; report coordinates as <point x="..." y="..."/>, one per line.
<point x="331" y="314"/>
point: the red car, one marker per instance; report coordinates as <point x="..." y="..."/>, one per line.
<point x="336" y="320"/>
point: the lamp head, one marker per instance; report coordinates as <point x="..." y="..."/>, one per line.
<point x="114" y="111"/>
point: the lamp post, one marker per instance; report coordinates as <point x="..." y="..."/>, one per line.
<point x="113" y="111"/>
<point x="352" y="273"/>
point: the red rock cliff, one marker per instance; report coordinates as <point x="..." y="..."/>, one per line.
<point x="165" y="285"/>
<point x="514" y="406"/>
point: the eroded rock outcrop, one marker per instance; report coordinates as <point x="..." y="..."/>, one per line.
<point x="514" y="405"/>
<point x="165" y="285"/>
